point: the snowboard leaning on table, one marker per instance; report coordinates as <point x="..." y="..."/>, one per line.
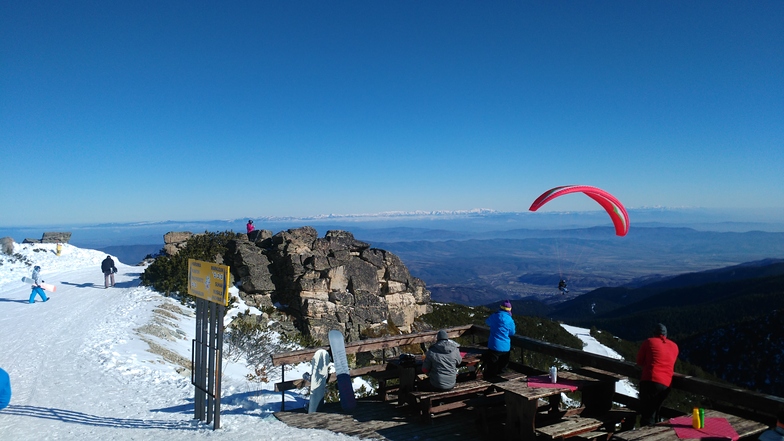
<point x="345" y="388"/>
<point x="46" y="286"/>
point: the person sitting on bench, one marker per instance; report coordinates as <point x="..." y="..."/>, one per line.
<point x="441" y="363"/>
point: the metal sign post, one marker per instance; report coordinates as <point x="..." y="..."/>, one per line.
<point x="209" y="283"/>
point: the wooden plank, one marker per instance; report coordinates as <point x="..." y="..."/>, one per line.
<point x="465" y="387"/>
<point x="371" y="344"/>
<point x="293" y="384"/>
<point x="570" y="427"/>
<point x="600" y="374"/>
<point x="385" y="421"/>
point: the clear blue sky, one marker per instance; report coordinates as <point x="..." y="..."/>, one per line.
<point x="133" y="111"/>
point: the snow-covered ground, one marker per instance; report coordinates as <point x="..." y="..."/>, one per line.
<point x="80" y="371"/>
<point x="593" y="346"/>
<point x="81" y="366"/>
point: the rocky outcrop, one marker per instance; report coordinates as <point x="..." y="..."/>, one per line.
<point x="51" y="237"/>
<point x="7" y="245"/>
<point x="334" y="282"/>
<point x="174" y="241"/>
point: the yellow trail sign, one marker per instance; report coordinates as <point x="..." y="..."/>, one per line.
<point x="208" y="281"/>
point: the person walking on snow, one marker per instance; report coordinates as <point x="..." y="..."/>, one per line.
<point x="108" y="268"/>
<point x="502" y="327"/>
<point x="37" y="285"/>
<point x="5" y="389"/>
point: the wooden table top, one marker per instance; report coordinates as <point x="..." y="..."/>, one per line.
<point x="519" y="386"/>
<point x="664" y="431"/>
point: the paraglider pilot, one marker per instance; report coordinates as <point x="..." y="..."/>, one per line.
<point x="562" y="287"/>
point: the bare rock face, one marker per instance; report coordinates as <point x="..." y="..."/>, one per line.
<point x="174" y="241"/>
<point x="51" y="237"/>
<point x="334" y="282"/>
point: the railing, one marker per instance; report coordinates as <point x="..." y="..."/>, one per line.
<point x="735" y="399"/>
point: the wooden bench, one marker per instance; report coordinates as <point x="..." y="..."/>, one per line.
<point x="569" y="427"/>
<point x="430" y="403"/>
<point x="383" y="377"/>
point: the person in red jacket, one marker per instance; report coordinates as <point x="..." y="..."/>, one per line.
<point x="657" y="357"/>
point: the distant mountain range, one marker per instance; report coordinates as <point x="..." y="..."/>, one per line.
<point x="529" y="263"/>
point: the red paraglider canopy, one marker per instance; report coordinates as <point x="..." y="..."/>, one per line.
<point x="609" y="202"/>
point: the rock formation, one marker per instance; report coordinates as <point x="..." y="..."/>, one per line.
<point x="174" y="241"/>
<point x="334" y="282"/>
<point x="51" y="237"/>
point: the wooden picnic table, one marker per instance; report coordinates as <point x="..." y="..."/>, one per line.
<point x="665" y="431"/>
<point x="522" y="402"/>
<point x="409" y="369"/>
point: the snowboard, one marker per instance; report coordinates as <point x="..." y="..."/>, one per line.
<point x="345" y="388"/>
<point x="318" y="379"/>
<point x="47" y="286"/>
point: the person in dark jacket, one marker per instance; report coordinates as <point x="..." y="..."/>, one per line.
<point x="656" y="357"/>
<point x="5" y="389"/>
<point x="776" y="433"/>
<point x="37" y="290"/>
<point x="108" y="268"/>
<point x="499" y="344"/>
<point x="441" y="363"/>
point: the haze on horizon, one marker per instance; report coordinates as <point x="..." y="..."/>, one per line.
<point x="125" y="112"/>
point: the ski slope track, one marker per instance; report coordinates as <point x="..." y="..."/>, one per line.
<point x="80" y="370"/>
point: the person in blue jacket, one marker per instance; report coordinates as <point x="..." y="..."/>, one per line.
<point x="36" y="285"/>
<point x="502" y="327"/>
<point x="5" y="389"/>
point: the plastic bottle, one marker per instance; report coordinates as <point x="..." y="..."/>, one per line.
<point x="695" y="418"/>
<point x="702" y="418"/>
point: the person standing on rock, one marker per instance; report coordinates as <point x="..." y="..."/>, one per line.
<point x="250" y="227"/>
<point x="108" y="268"/>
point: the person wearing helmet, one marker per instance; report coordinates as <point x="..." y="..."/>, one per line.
<point x="37" y="290"/>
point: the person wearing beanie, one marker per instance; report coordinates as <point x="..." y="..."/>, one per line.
<point x="775" y="433"/>
<point x="441" y="363"/>
<point x="499" y="344"/>
<point x="656" y="357"/>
